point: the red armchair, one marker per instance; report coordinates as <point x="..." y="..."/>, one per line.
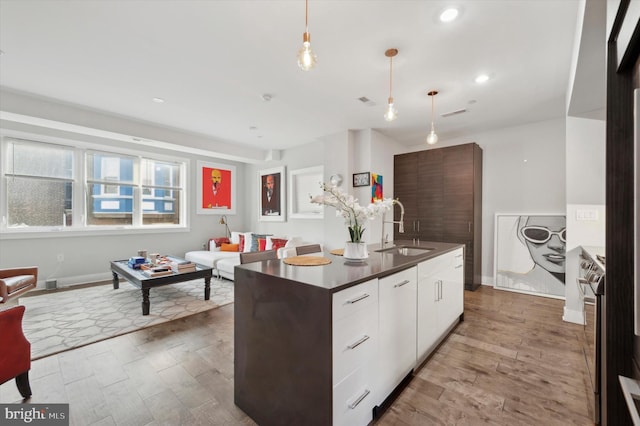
<point x="15" y="356"/>
<point x="17" y="281"/>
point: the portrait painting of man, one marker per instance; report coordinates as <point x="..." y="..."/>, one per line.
<point x="216" y="186"/>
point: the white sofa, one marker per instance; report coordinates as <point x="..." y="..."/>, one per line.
<point x="224" y="262"/>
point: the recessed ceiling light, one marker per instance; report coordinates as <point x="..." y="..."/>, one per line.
<point x="158" y="100"/>
<point x="481" y="78"/>
<point x="449" y="14"/>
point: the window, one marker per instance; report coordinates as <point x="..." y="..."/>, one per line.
<point x="39" y="182"/>
<point x="112" y="189"/>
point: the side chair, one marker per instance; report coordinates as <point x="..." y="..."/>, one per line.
<point x="15" y="356"/>
<point x="311" y="248"/>
<point x="14" y="282"/>
<point x="257" y="256"/>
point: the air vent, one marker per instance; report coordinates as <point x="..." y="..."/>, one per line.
<point x="364" y="99"/>
<point x="449" y="114"/>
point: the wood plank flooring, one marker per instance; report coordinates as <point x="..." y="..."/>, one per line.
<point x="513" y="361"/>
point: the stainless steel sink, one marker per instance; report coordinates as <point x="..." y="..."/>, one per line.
<point x="406" y="250"/>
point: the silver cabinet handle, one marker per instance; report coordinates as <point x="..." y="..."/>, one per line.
<point x="418" y="226"/>
<point x="359" y="342"/>
<point x="469" y="227"/>
<point x="357" y="299"/>
<point x="459" y="266"/>
<point x="440" y="286"/>
<point x="355" y="403"/>
<point x="402" y="283"/>
<point x="436" y="289"/>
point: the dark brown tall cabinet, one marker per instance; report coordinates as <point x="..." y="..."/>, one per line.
<point x="441" y="190"/>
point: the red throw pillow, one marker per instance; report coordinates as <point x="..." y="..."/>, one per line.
<point x="219" y="241"/>
<point x="241" y="243"/>
<point x="278" y="243"/>
<point x="262" y="243"/>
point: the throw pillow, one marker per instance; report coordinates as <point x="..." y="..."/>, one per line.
<point x="229" y="247"/>
<point x="215" y="243"/>
<point x="241" y="243"/>
<point x="254" y="241"/>
<point x="262" y="244"/>
<point x="277" y="243"/>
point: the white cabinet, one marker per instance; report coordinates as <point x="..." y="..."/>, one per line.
<point x="397" y="330"/>
<point x="354" y="348"/>
<point x="440" y="299"/>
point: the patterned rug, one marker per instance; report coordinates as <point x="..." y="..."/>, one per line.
<point x="62" y="320"/>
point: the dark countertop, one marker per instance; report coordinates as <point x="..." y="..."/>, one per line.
<point x="341" y="273"/>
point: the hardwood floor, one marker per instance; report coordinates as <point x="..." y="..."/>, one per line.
<point x="513" y="361"/>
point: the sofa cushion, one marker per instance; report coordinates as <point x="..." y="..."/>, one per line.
<point x="229" y="247"/>
<point x="255" y="246"/>
<point x="277" y="243"/>
<point x="216" y="243"/>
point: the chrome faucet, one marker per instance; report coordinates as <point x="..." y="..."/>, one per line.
<point x="400" y="222"/>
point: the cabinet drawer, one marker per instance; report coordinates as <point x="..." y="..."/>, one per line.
<point x="355" y="340"/>
<point x="354" y="398"/>
<point x="355" y="299"/>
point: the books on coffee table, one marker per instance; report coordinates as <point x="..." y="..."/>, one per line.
<point x="183" y="266"/>
<point x="157" y="271"/>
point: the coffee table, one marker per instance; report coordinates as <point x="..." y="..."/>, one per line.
<point x="120" y="268"/>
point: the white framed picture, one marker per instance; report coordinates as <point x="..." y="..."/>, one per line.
<point x="305" y="183"/>
<point x="530" y="253"/>
<point x="271" y="197"/>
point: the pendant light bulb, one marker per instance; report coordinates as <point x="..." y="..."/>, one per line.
<point x="432" y="138"/>
<point x="391" y="113"/>
<point x="306" y="57"/>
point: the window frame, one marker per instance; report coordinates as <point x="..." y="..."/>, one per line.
<point x="80" y="187"/>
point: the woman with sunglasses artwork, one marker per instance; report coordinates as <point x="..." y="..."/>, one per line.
<point x="545" y="239"/>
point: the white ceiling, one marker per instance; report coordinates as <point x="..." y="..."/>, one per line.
<point x="212" y="60"/>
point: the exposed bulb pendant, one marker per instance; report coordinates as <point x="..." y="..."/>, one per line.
<point x="306" y="58"/>
<point x="391" y="113"/>
<point x="432" y="138"/>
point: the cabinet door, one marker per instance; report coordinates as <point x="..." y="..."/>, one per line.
<point x="430" y="196"/>
<point x="397" y="329"/>
<point x="427" y="316"/>
<point x="405" y="169"/>
<point x="458" y="210"/>
<point x="451" y="303"/>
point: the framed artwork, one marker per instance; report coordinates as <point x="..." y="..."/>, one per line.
<point x="271" y="194"/>
<point x="303" y="184"/>
<point x="376" y="187"/>
<point x="216" y="186"/>
<point x="530" y="253"/>
<point x="361" y="179"/>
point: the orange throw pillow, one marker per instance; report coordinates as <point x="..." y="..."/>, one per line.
<point x="229" y="247"/>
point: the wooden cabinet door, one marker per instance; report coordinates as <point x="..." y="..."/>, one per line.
<point x="405" y="169"/>
<point x="458" y="201"/>
<point x="430" y="195"/>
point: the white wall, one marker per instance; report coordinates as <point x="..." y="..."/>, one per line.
<point x="585" y="168"/>
<point x="523" y="172"/>
<point x="344" y="153"/>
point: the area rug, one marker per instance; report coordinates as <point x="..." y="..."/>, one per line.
<point x="62" y="320"/>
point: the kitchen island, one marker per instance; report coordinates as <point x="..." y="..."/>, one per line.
<point x="328" y="344"/>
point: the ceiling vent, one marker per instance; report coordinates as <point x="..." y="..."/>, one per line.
<point x="449" y="114"/>
<point x="364" y="99"/>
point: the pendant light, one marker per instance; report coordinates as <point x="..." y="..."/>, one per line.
<point x="391" y="113"/>
<point x="432" y="138"/>
<point x="306" y="58"/>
